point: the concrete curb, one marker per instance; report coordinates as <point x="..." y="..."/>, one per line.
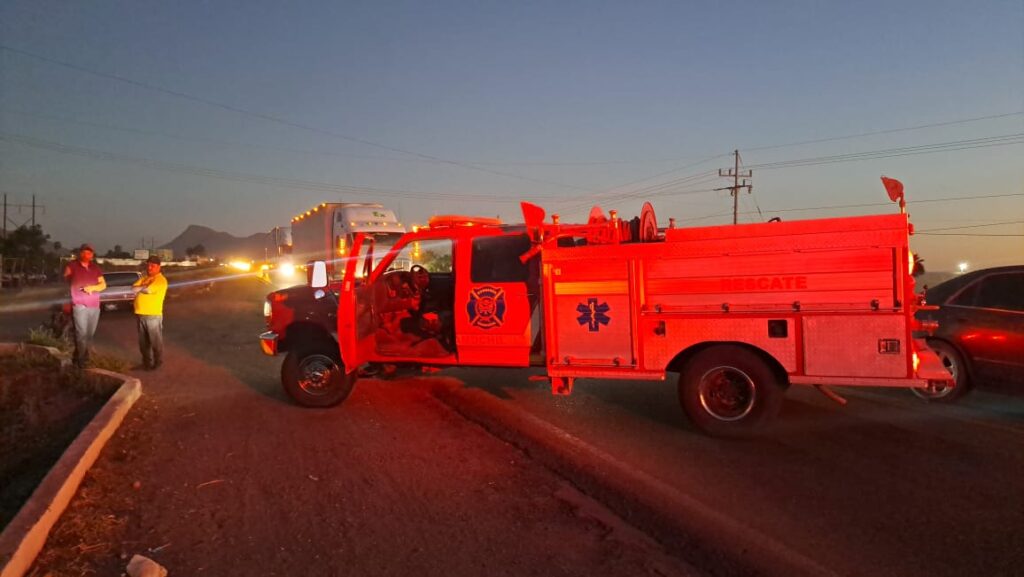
<point x="24" y="537"/>
<point x="7" y="349"/>
<point x="686" y="527"/>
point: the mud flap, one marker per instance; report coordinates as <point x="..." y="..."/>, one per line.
<point x="929" y="366"/>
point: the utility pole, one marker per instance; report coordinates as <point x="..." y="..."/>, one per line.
<point x="734" y="190"/>
<point x="33" y="206"/>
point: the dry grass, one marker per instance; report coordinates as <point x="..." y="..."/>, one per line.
<point x="109" y="362"/>
<point x="44" y="336"/>
<point x="42" y="409"/>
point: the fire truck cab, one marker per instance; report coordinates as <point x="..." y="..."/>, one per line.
<point x="740" y="312"/>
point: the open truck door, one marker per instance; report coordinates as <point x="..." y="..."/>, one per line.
<point x="356" y="321"/>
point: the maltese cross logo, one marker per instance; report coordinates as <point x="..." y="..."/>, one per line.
<point x="486" y="307"/>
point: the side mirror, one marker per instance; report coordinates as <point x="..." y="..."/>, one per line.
<point x="319" y="277"/>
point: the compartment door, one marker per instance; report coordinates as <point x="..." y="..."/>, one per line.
<point x="591" y="314"/>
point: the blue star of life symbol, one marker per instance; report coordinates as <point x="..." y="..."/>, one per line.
<point x="593" y="315"/>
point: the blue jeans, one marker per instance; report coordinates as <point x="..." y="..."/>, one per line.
<point x="85" y="319"/>
<point x="151" y="339"/>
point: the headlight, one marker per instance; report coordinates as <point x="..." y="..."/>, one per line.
<point x="286" y="269"/>
<point x="266" y="308"/>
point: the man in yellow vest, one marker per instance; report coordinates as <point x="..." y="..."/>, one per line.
<point x="150" y="291"/>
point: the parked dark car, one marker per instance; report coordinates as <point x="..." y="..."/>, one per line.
<point x="118" y="293"/>
<point x="981" y="329"/>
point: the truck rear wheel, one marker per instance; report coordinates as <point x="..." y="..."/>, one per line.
<point x="314" y="376"/>
<point x="730" y="391"/>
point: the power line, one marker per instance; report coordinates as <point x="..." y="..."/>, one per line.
<point x="667" y="193"/>
<point x="464" y="164"/>
<point x="756" y="205"/>
<point x="211" y="140"/>
<point x="966" y="234"/>
<point x="1003" y="140"/>
<point x="911" y="202"/>
<point x="237" y="176"/>
<point x="860" y="205"/>
<point x="279" y="120"/>
<point x="32" y="218"/>
<point x="616" y="189"/>
<point x="323" y="153"/>
<point x="1003" y="223"/>
<point x="662" y="189"/>
<point x="888" y="131"/>
<point x="705" y="217"/>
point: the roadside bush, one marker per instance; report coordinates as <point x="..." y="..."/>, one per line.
<point x="43" y="336"/>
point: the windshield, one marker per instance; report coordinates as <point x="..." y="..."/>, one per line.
<point x="383" y="242"/>
<point x="434" y="255"/>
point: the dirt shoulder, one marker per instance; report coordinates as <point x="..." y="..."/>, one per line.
<point x="215" y="472"/>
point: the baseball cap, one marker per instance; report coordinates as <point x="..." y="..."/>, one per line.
<point x="86" y="246"/>
<point x="153" y="259"/>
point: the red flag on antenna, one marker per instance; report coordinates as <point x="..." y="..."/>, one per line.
<point x="894" y="188"/>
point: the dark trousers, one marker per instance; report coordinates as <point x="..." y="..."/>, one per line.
<point x="151" y="339"/>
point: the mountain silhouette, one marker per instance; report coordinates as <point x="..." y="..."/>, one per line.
<point x="222" y="245"/>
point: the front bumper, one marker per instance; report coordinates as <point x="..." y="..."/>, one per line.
<point x="268" y="342"/>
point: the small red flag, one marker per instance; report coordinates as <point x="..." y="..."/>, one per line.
<point x="533" y="215"/>
<point x="894" y="188"/>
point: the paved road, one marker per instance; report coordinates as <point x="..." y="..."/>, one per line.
<point x="234" y="480"/>
<point x="887" y="485"/>
<point x="392" y="482"/>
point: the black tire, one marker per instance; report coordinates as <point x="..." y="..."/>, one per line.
<point x="314" y="376"/>
<point x="954" y="361"/>
<point x="730" y="391"/>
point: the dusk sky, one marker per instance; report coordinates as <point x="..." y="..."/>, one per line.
<point x="136" y="119"/>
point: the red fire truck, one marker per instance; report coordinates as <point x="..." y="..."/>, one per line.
<point x="740" y="312"/>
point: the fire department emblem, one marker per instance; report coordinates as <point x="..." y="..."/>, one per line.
<point x="593" y="315"/>
<point x="486" y="307"/>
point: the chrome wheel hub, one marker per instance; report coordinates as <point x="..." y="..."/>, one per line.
<point x="315" y="373"/>
<point x="727" y="393"/>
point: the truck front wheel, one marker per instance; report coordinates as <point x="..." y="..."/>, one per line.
<point x="314" y="376"/>
<point x="729" y="391"/>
